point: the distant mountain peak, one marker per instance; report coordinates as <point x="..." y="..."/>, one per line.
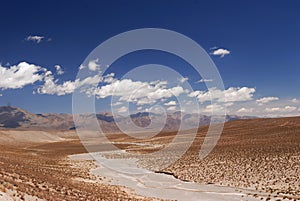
<point x="16" y="118"/>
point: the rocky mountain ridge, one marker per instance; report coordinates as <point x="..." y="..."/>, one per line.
<point x="17" y="118"/>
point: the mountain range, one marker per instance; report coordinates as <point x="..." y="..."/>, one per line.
<point x="17" y="118"/>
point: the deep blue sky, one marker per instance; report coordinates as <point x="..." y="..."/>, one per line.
<point x="263" y="37"/>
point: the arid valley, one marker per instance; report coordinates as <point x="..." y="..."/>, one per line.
<point x="257" y="158"/>
<point x="153" y="100"/>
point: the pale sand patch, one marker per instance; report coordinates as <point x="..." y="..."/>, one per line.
<point x="14" y="137"/>
<point x="13" y="195"/>
<point x="161" y="186"/>
<point x="5" y="197"/>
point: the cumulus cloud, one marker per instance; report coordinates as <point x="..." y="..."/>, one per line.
<point x="171" y="108"/>
<point x="265" y="100"/>
<point x="138" y="92"/>
<point x="214" y="108"/>
<point x="237" y="99"/>
<point x="127" y="90"/>
<point x="219" y="52"/>
<point x="94" y="65"/>
<point x="245" y="110"/>
<point x="81" y="67"/>
<point x="183" y="79"/>
<point x="59" y="70"/>
<point x="232" y="94"/>
<point x="171" y="103"/>
<point x="155" y="109"/>
<point x="36" y="39"/>
<point x="20" y="75"/>
<point x="117" y="103"/>
<point x="122" y="109"/>
<point x="281" y="109"/>
<point x="52" y="87"/>
<point x="109" y="78"/>
<point x="87" y="85"/>
<point x="228" y="104"/>
<point x="294" y="100"/>
<point x="204" y="80"/>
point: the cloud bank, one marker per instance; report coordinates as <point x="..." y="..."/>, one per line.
<point x="236" y="100"/>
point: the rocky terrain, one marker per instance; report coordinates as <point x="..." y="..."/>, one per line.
<point x="42" y="171"/>
<point x="260" y="156"/>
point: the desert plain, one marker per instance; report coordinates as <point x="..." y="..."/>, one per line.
<point x="259" y="158"/>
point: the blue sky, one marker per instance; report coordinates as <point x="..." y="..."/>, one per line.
<point x="262" y="37"/>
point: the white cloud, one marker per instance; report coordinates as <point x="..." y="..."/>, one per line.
<point x="284" y="109"/>
<point x="232" y="94"/>
<point x="59" y="70"/>
<point x="171" y="108"/>
<point x="176" y="91"/>
<point x="18" y="76"/>
<point x="138" y="92"/>
<point x="171" y="103"/>
<point x="183" y="79"/>
<point x="155" y="109"/>
<point x="88" y="85"/>
<point x="1" y="95"/>
<point x="215" y="108"/>
<point x="204" y="80"/>
<point x="228" y="104"/>
<point x="220" y="52"/>
<point x="52" y="87"/>
<point x="122" y="109"/>
<point x="109" y="78"/>
<point x="265" y="100"/>
<point x="237" y="99"/>
<point x="273" y="109"/>
<point x="81" y="67"/>
<point x="94" y="65"/>
<point x="128" y="90"/>
<point x="294" y="100"/>
<point x="117" y="103"/>
<point x="35" y="39"/>
<point x="245" y="110"/>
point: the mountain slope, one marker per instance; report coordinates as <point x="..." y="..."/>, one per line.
<point x="16" y="118"/>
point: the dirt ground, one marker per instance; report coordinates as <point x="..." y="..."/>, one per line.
<point x="44" y="171"/>
<point x="258" y="154"/>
